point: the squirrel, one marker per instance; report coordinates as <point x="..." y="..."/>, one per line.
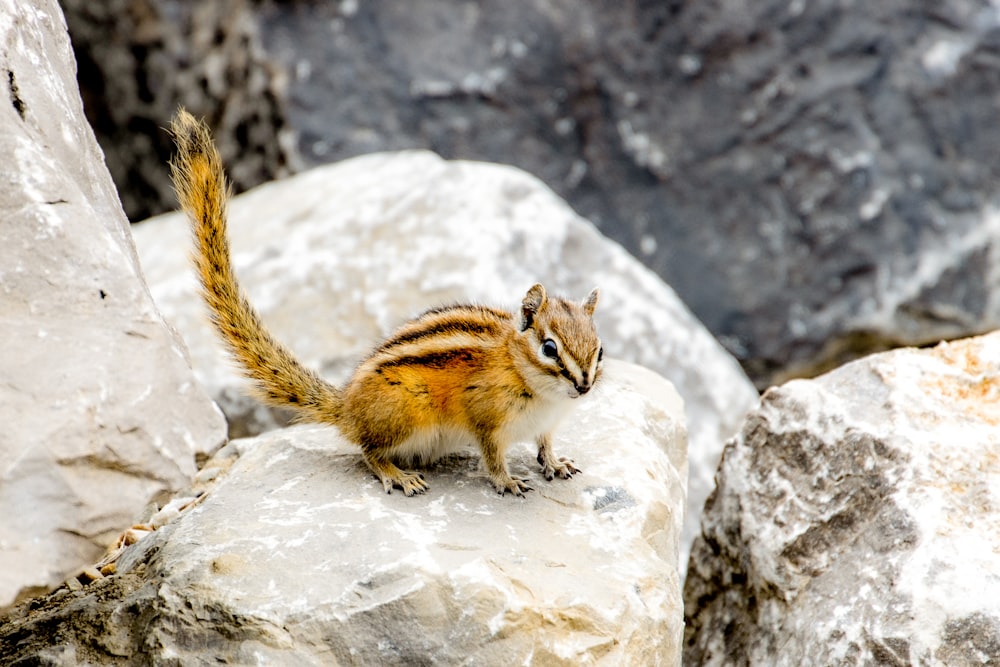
<point x="451" y="374"/>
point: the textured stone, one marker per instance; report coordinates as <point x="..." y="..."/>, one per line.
<point x="337" y="257"/>
<point x="297" y="557"/>
<point x="138" y="61"/>
<point x="99" y="409"/>
<point x="857" y="520"/>
<point x="799" y="172"/>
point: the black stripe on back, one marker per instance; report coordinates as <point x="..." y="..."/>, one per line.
<point x="486" y="310"/>
<point x="445" y="327"/>
<point x="475" y="328"/>
<point x="437" y="360"/>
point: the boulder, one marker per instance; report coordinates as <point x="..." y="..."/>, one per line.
<point x="800" y="172"/>
<point x="856" y="520"/>
<point x="297" y="556"/>
<point x="337" y="257"/>
<point x="137" y="63"/>
<point x="100" y="411"/>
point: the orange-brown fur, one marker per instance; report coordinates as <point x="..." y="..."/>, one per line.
<point x="450" y="375"/>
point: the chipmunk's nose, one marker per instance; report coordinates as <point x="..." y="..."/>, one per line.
<point x="583" y="387"/>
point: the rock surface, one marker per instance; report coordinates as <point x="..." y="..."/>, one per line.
<point x="800" y="172"/>
<point x="99" y="408"/>
<point x="338" y="257"/>
<point x="139" y="61"/>
<point x="857" y="520"/>
<point x="297" y="557"/>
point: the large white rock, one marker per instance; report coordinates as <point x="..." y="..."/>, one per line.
<point x="857" y="520"/>
<point x="337" y="257"/>
<point x="298" y="557"/>
<point x="99" y="410"/>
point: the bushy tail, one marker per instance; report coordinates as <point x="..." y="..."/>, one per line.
<point x="203" y="192"/>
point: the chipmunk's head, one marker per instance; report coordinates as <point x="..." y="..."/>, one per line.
<point x="566" y="350"/>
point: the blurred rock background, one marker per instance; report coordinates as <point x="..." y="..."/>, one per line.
<point x="816" y="180"/>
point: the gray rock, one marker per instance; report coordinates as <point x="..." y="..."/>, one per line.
<point x="99" y="409"/>
<point x="800" y="172"/>
<point x="297" y="557"/>
<point x="337" y="257"/>
<point x="855" y="520"/>
<point x="137" y="63"/>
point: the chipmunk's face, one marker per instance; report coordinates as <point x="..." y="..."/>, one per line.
<point x="567" y="350"/>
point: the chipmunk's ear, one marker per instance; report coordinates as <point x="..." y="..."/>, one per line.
<point x="532" y="304"/>
<point x="590" y="303"/>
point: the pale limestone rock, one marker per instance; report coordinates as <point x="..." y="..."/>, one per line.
<point x="298" y="557"/>
<point x="99" y="408"/>
<point x="337" y="257"/>
<point x="857" y="520"/>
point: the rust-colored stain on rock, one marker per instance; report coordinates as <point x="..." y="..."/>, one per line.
<point x="977" y="390"/>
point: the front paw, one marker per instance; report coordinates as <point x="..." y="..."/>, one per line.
<point x="411" y="483"/>
<point x="512" y="485"/>
<point x="562" y="468"/>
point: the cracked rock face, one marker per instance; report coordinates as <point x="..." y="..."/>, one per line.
<point x="856" y="519"/>
<point x="298" y="557"/>
<point x="100" y="412"/>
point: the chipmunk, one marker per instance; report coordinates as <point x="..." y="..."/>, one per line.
<point x="451" y="374"/>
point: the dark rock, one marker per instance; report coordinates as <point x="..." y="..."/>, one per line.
<point x="137" y="61"/>
<point x="817" y="180"/>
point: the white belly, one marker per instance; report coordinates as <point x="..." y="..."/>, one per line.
<point x="428" y="445"/>
<point x="540" y="418"/>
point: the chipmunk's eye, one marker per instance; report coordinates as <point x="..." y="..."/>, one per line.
<point x="549" y="349"/>
<point x="600" y="355"/>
